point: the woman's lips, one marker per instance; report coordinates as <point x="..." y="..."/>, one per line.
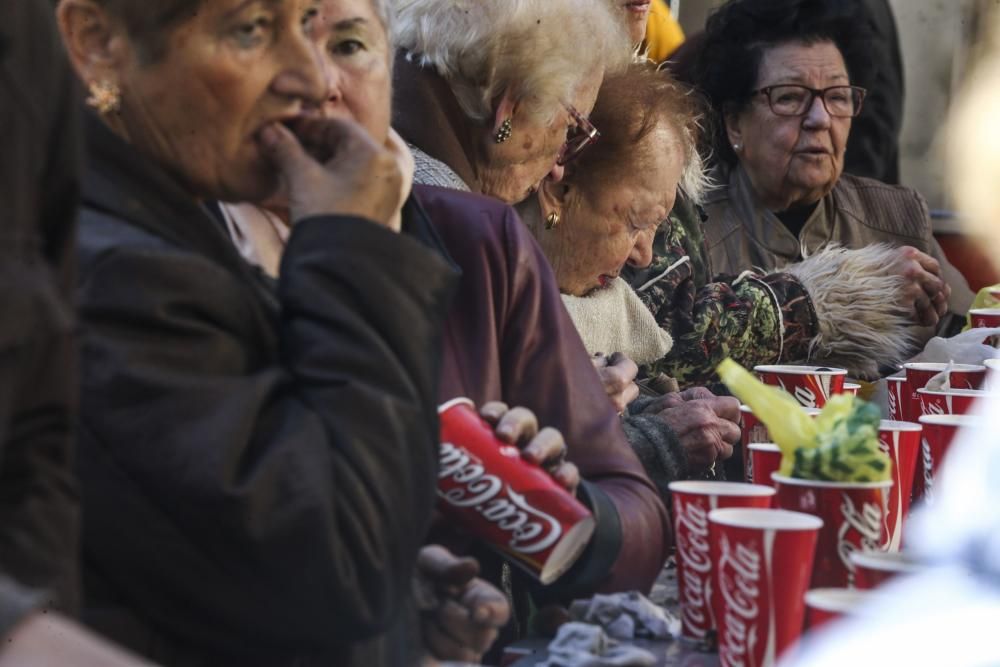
<point x="638" y="7"/>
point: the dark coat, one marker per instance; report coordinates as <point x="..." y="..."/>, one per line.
<point x="258" y="465"/>
<point x="38" y="196"/>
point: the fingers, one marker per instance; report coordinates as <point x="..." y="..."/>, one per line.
<point x="444" y="569"/>
<point x="442" y="644"/>
<point x="283" y="148"/>
<point x="726" y="407"/>
<point x="546" y="447"/>
<point x="631" y="393"/>
<point x="695" y="393"/>
<point x="486" y="604"/>
<point x="599" y="360"/>
<point x="517" y="425"/>
<point x="493" y="411"/>
<point x="928" y="263"/>
<point x="567" y="475"/>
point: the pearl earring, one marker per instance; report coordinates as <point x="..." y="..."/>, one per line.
<point x="105" y="97"/>
<point x="503" y="134"/>
<point x="737" y="147"/>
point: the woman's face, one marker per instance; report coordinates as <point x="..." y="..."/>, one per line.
<point x="793" y="160"/>
<point x="608" y="226"/>
<point x="636" y="13"/>
<point x="233" y="68"/>
<point x="515" y="169"/>
<point x="356" y="65"/>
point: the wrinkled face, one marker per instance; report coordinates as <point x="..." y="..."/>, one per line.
<point x="793" y="160"/>
<point x="517" y="167"/>
<point x="610" y="225"/>
<point x="356" y="65"/>
<point x="227" y="72"/>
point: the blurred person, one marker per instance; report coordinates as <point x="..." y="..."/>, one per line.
<point x="492" y="97"/>
<point x="662" y="34"/>
<point x="778" y="76"/>
<point x="507" y="339"/>
<point x="953" y="604"/>
<point x="257" y="457"/>
<point x="39" y="499"/>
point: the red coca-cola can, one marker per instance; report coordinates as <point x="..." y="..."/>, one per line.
<point x="511" y="504"/>
<point x="828" y="604"/>
<point x="854" y="519"/>
<point x="898" y="397"/>
<point x="811" y="386"/>
<point x="763" y="560"/>
<point x="962" y="376"/>
<point x="692" y="503"/>
<point x="901" y="442"/>
<point x="871" y="570"/>
<point x="938" y="434"/>
<point x="948" y="401"/>
<point x="986" y="318"/>
<point x="766" y="460"/>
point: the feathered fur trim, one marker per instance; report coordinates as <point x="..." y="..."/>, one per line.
<point x="862" y="323"/>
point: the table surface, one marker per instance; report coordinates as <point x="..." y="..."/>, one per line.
<point x="668" y="653"/>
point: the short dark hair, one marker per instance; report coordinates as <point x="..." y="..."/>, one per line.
<point x="149" y="22"/>
<point x="740" y="31"/>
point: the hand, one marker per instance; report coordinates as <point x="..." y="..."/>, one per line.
<point x="925" y="292"/>
<point x="466" y="614"/>
<point x="546" y="448"/>
<point x="333" y="167"/>
<point x="706" y="427"/>
<point x="676" y="399"/>
<point x="617" y="374"/>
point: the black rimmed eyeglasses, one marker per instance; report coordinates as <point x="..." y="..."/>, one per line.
<point x="795" y="100"/>
<point x="582" y="134"/>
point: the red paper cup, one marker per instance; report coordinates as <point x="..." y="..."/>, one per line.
<point x="962" y="376"/>
<point x="828" y="604"/>
<point x="899" y="397"/>
<point x="763" y="559"/>
<point x="901" y="441"/>
<point x="765" y="460"/>
<point x="692" y="503"/>
<point x="948" y="401"/>
<point x="851" y="388"/>
<point x="939" y="431"/>
<point x="754" y="431"/>
<point x="811" y="386"/>
<point x="986" y="318"/>
<point x="854" y="519"/>
<point x="874" y="569"/>
<point x="510" y="504"/>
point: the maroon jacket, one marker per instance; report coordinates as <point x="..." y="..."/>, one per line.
<point x="509" y="338"/>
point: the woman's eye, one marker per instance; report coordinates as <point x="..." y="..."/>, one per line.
<point x="250" y="33"/>
<point x="346" y="47"/>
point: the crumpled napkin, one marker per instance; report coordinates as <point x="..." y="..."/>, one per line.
<point x="585" y="645"/>
<point x="626" y="615"/>
<point x="965" y="348"/>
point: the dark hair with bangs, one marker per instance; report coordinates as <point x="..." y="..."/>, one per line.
<point x="740" y="31"/>
<point x="630" y="105"/>
<point x="149" y="22"/>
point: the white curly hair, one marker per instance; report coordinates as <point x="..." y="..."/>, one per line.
<point x="542" y="50"/>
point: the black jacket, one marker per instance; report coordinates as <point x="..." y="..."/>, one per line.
<point x="258" y="471"/>
<point x="38" y="197"/>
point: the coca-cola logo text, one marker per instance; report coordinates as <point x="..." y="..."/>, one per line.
<point x="739" y="586"/>
<point x="696" y="565"/>
<point x="465" y="484"/>
<point x="863" y="526"/>
<point x="804" y="395"/>
<point x="928" y="460"/>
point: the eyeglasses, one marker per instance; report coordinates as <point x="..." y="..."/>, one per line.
<point x="578" y="137"/>
<point x="795" y="100"/>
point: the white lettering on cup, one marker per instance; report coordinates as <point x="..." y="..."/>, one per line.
<point x="739" y="586"/>
<point x="693" y="549"/>
<point x="864" y="525"/>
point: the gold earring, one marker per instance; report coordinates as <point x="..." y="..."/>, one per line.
<point x="105" y="97"/>
<point x="503" y="134"/>
<point x="552" y="220"/>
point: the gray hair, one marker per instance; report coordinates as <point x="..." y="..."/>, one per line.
<point x="542" y="50"/>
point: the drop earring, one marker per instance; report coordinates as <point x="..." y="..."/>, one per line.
<point x="552" y="220"/>
<point x="503" y="134"/>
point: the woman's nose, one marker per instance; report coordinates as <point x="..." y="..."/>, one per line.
<point x="557" y="172"/>
<point x="642" y="252"/>
<point x="303" y="74"/>
<point x="817" y="116"/>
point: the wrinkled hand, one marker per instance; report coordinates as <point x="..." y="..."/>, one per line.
<point x="706" y="427"/>
<point x="461" y="614"/>
<point x="676" y="399"/>
<point x="617" y="374"/>
<point x="519" y="427"/>
<point x="925" y="292"/>
<point x="333" y="167"/>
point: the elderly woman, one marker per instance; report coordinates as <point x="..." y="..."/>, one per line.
<point x="507" y="339"/>
<point x="779" y="78"/>
<point x="257" y="457"/>
<point x="487" y="93"/>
